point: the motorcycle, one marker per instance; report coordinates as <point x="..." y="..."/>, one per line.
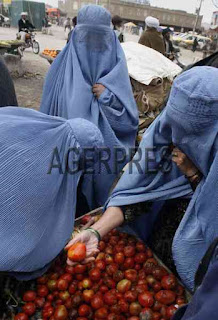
<point x="30" y="42"/>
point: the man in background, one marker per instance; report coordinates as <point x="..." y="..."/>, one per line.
<point x="169" y="49"/>
<point x="74" y="23"/>
<point x="151" y="37"/>
<point x="117" y="26"/>
<point x="24" y="25"/>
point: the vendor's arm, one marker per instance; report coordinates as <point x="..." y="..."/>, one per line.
<point x="112" y="218"/>
<point x="187" y="167"/>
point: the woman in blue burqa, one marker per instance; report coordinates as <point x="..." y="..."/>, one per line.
<point x="89" y="79"/>
<point x="41" y="163"/>
<point x="187" y="129"/>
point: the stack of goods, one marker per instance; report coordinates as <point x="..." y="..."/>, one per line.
<point x="125" y="282"/>
<point x="50" y="52"/>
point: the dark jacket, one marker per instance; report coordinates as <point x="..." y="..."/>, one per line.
<point x="204" y="302"/>
<point x="7" y="92"/>
<point x="27" y="25"/>
<point x="153" y="39"/>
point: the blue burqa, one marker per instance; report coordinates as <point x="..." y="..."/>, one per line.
<point x="94" y="55"/>
<point x="190" y="122"/>
<point x="37" y="193"/>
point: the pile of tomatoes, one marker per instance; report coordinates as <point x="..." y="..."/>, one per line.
<point x="125" y="282"/>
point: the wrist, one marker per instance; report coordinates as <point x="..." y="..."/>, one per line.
<point x="95" y="232"/>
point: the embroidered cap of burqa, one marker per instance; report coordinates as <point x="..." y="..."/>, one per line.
<point x="94" y="55"/>
<point x="40" y="168"/>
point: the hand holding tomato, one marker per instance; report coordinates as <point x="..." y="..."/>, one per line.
<point x="91" y="242"/>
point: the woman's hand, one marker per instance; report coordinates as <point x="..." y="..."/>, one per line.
<point x="91" y="243"/>
<point x="98" y="89"/>
<point x="184" y="163"/>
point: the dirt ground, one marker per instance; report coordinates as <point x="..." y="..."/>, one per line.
<point x="29" y="86"/>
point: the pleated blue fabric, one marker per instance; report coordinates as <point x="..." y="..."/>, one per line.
<point x="190" y="122"/>
<point x="38" y="188"/>
<point x="94" y="55"/>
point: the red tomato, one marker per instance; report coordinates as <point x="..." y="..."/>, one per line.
<point x="142" y="274"/>
<point x="101" y="313"/>
<point x="149" y="265"/>
<point x="88" y="295"/>
<point x="110" y="298"/>
<point x="171" y="310"/>
<point x="43" y="279"/>
<point x="21" y="316"/>
<point x="80" y="318"/>
<point x="113" y="316"/>
<point x="110" y="283"/>
<point x="123" y="305"/>
<point x="76" y="299"/>
<point x="50" y="297"/>
<point x="157" y="287"/>
<point x="67" y="276"/>
<point x="85" y="219"/>
<point x="109" y="250"/>
<point x="130" y="296"/>
<point x="47" y="304"/>
<point x="140" y="288"/>
<point x="140" y="257"/>
<point x="79" y="277"/>
<point x="159" y="272"/>
<point x="157" y="306"/>
<point x="103" y="288"/>
<point x="77" y="252"/>
<point x="113" y="240"/>
<point x="135" y="309"/>
<point x="118" y="248"/>
<point x="58" y="302"/>
<point x="149" y="253"/>
<point x="137" y="267"/>
<point x="72" y="288"/>
<point x="101" y="245"/>
<point x="131" y="275"/>
<point x="86" y="283"/>
<point x="62" y="284"/>
<point x="39" y="302"/>
<point x="42" y="291"/>
<point x="163" y="311"/>
<point x="115" y="309"/>
<point x="142" y="281"/>
<point x="84" y="310"/>
<point x="119" y="295"/>
<point x="133" y="318"/>
<point x="129" y="263"/>
<point x="151" y="281"/>
<point x="29" y="308"/>
<point x="97" y="302"/>
<point x="111" y="269"/>
<point x="54" y="276"/>
<point x="119" y="258"/>
<point x="118" y="276"/>
<point x="169" y="282"/>
<point x="47" y="312"/>
<point x="146" y="314"/>
<point x="95" y="274"/>
<point x="165" y="297"/>
<point x="60" y="313"/>
<point x="80" y="268"/>
<point x="100" y="264"/>
<point x="146" y="299"/>
<point x="64" y="295"/>
<point x="180" y="301"/>
<point x="179" y="290"/>
<point x="129" y="251"/>
<point x="108" y="259"/>
<point x="69" y="269"/>
<point x="52" y="285"/>
<point x="124" y="285"/>
<point x="69" y="304"/>
<point x="156" y="316"/>
<point x="100" y="256"/>
<point x="140" y="246"/>
<point x="29" y="296"/>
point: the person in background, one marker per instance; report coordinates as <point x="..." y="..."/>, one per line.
<point x="24" y="25"/>
<point x="67" y="24"/>
<point x="89" y="79"/>
<point x="195" y="44"/>
<point x="74" y="23"/>
<point x="169" y="49"/>
<point x="117" y="26"/>
<point x="7" y="92"/>
<point x="151" y="37"/>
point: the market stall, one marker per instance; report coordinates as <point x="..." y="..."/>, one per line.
<point x="127" y="279"/>
<point x="11" y="47"/>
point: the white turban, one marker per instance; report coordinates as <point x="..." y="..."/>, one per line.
<point x="152" y="22"/>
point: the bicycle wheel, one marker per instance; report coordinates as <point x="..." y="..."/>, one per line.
<point x="36" y="48"/>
